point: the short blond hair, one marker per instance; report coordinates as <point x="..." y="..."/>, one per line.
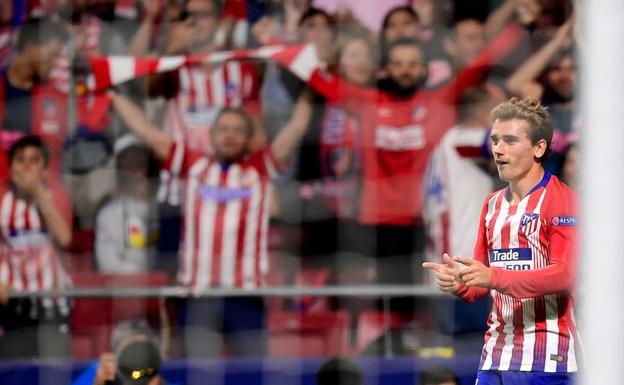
<point x="540" y="124"/>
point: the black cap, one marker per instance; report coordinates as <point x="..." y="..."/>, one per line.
<point x="138" y="362"/>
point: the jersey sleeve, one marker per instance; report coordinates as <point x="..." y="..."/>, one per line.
<point x="474" y="293"/>
<point x="558" y="276"/>
<point x="476" y="71"/>
<point x="180" y="159"/>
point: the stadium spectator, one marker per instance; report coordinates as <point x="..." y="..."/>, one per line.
<point x="28" y="103"/>
<point x="437" y="375"/>
<point x="196" y="93"/>
<point x="571" y="164"/>
<point x="550" y="75"/>
<point x="36" y="220"/>
<point x="226" y="222"/>
<point x="536" y="284"/>
<point x="339" y="371"/>
<point x="464" y="42"/>
<point x="135" y="359"/>
<point x="402" y="123"/>
<point x="127" y="225"/>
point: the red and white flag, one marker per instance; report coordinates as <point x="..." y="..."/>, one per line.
<point x="113" y="70"/>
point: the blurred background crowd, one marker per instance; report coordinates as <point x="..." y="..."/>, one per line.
<point x="391" y="168"/>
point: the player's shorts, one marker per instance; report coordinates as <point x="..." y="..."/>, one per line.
<point x="495" y="377"/>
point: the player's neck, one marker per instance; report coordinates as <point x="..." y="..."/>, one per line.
<point x="523" y="186"/>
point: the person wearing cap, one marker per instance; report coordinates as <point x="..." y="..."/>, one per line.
<point x="136" y="359"/>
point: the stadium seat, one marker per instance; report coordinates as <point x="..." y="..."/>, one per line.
<point x="295" y="334"/>
<point x="135" y="308"/>
<point x="93" y="319"/>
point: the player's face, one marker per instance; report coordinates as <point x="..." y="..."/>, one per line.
<point x="230" y="137"/>
<point x="514" y="154"/>
<point x="26" y="161"/>
<point x="406" y="66"/>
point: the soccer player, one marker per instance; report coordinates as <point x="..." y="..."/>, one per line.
<point x="524" y="257"/>
<point x="225" y="217"/>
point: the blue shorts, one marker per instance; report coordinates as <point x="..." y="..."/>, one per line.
<point x="495" y="377"/>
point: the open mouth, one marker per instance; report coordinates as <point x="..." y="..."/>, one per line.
<point x="501" y="162"/>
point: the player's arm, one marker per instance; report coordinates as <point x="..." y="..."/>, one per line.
<point x="290" y="135"/>
<point x="140" y="125"/>
<point x="557" y="277"/>
<point x="476" y="71"/>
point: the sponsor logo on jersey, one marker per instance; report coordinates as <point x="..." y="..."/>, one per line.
<point x="222" y="194"/>
<point x="565" y="220"/>
<point x="512" y="259"/>
<point x="405" y="138"/>
<point x="514" y="254"/>
<point x="529" y="222"/>
<point x="19" y="240"/>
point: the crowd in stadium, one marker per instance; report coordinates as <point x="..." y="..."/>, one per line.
<point x="353" y="151"/>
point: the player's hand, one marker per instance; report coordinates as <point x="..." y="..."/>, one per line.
<point x="29" y="182"/>
<point x="152" y="9"/>
<point x="476" y="274"/>
<point x="105" y="369"/>
<point x="447" y="274"/>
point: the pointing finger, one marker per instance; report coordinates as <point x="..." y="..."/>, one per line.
<point x="432" y="266"/>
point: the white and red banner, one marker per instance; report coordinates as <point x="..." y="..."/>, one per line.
<point x="113" y="70"/>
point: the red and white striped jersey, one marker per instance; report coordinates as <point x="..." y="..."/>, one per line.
<point x="226" y="218"/>
<point x="201" y="95"/>
<point x="28" y="257"/>
<point x="531" y="248"/>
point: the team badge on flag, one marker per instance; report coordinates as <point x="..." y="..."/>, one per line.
<point x="528" y="223"/>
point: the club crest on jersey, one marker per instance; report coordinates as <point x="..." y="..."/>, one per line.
<point x="49" y="107"/>
<point x="528" y="223"/>
<point x="419" y="113"/>
<point x="231" y="89"/>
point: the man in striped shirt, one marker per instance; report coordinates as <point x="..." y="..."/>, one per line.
<point x="225" y="218"/>
<point x="524" y="257"/>
<point x="35" y="217"/>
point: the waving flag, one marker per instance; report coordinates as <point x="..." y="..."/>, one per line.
<point x="113" y="70"/>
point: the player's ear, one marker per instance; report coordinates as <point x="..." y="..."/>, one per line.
<point x="540" y="148"/>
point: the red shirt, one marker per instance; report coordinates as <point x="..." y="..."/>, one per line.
<point x="226" y="218"/>
<point x="399" y="134"/>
